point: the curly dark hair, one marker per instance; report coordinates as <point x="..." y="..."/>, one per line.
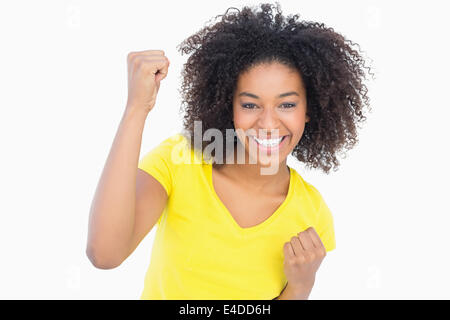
<point x="331" y="69"/>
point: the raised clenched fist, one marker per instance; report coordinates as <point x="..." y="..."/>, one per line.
<point x="303" y="255"/>
<point x="145" y="71"/>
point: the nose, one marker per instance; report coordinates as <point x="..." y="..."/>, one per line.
<point x="269" y="122"/>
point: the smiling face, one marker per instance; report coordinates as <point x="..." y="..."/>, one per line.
<point x="269" y="102"/>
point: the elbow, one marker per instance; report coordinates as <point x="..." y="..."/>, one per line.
<point x="100" y="262"/>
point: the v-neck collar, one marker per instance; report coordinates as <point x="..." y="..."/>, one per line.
<point x="229" y="216"/>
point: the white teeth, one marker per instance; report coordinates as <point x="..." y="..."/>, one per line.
<point x="268" y="142"/>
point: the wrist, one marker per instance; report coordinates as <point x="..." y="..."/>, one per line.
<point x="298" y="292"/>
<point x="301" y="293"/>
<point x="135" y="113"/>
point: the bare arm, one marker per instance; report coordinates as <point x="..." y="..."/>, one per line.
<point x="127" y="201"/>
<point x="111" y="218"/>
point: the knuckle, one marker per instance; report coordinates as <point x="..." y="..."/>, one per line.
<point x="135" y="61"/>
<point x="293" y="238"/>
<point x="143" y="64"/>
<point x="320" y="253"/>
<point x="309" y="255"/>
<point x="130" y="55"/>
<point x="289" y="261"/>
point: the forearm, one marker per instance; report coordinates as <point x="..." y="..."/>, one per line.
<point x="290" y="293"/>
<point x="111" y="220"/>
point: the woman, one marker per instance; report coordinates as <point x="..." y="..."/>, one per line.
<point x="230" y="226"/>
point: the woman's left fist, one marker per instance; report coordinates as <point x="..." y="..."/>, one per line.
<point x="303" y="255"/>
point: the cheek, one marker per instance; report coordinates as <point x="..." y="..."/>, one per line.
<point x="294" y="122"/>
<point x="242" y="120"/>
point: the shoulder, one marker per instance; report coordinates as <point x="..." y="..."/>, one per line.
<point x="178" y="148"/>
<point x="172" y="156"/>
<point x="173" y="149"/>
<point x="172" y="141"/>
<point x="306" y="191"/>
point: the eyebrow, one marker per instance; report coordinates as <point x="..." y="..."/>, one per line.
<point x="280" y="96"/>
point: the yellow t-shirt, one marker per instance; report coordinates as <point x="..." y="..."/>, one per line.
<point x="200" y="252"/>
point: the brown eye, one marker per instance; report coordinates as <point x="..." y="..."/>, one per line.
<point x="248" y="106"/>
<point x="288" y="105"/>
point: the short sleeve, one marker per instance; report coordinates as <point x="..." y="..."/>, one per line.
<point x="325" y="226"/>
<point x="158" y="163"/>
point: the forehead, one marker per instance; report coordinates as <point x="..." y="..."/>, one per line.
<point x="268" y="78"/>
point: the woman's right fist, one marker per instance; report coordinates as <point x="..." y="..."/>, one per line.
<point x="145" y="71"/>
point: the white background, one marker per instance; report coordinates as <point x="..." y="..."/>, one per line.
<point x="63" y="91"/>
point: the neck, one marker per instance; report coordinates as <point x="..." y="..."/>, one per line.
<point x="251" y="175"/>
